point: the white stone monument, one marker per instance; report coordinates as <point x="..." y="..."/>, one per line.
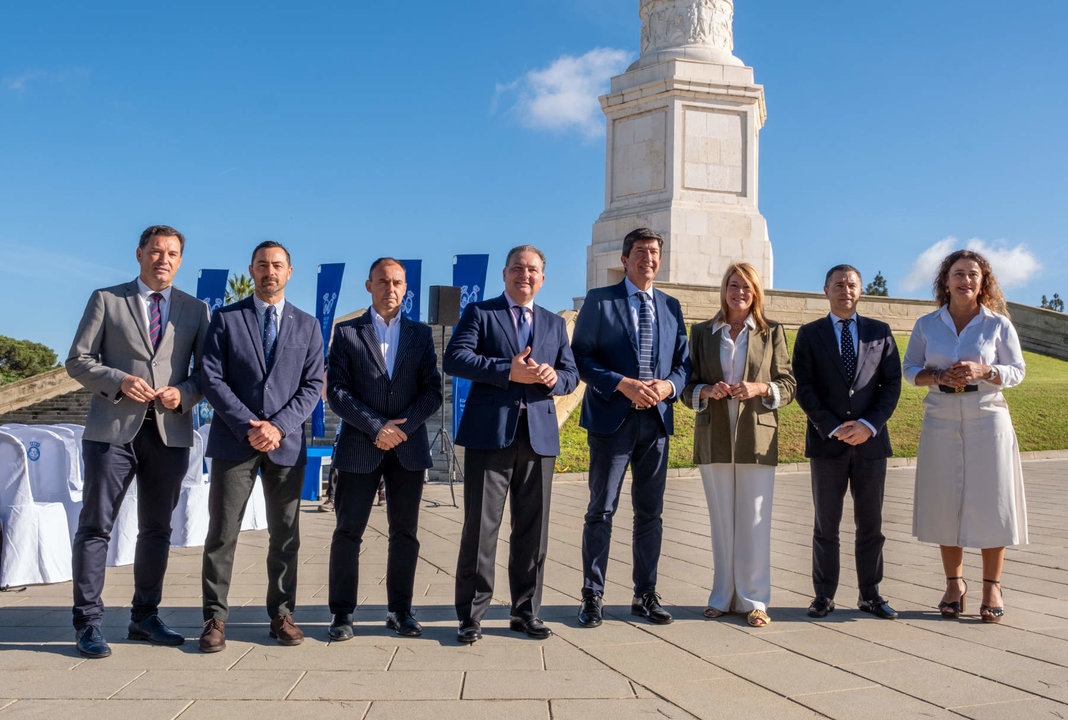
<point x="683" y="123"/>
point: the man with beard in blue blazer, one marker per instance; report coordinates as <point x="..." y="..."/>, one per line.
<point x="263" y="375"/>
<point x="517" y="356"/>
<point x="632" y="352"/>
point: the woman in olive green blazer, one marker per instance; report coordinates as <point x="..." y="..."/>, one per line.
<point x="740" y="376"/>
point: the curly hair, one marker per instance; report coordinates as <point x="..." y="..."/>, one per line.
<point x="989" y="292"/>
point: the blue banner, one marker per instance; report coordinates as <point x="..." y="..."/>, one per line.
<point x="468" y="274"/>
<point x="211" y="288"/>
<point x="413" y="271"/>
<point x="328" y="288"/>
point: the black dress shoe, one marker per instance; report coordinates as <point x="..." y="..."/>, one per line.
<point x="821" y="607"/>
<point x="879" y="608"/>
<point x="403" y="623"/>
<point x="152" y="630"/>
<point x="341" y="627"/>
<point x="470" y="630"/>
<point x="533" y="627"/>
<point x="590" y="613"/>
<point x="648" y="607"/>
<point x="91" y="643"/>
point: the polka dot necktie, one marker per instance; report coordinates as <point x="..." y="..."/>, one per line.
<point x="849" y="353"/>
<point x="522" y="326"/>
<point x="270" y="332"/>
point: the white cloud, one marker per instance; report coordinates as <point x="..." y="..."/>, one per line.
<point x="18" y="83"/>
<point x="1012" y="265"/>
<point x="563" y="96"/>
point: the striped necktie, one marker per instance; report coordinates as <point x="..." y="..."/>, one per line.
<point x="155" y="323"/>
<point x="645" y="338"/>
<point x="849" y="353"/>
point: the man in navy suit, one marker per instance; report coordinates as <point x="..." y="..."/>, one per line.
<point x="848" y="381"/>
<point x="631" y="348"/>
<point x="263" y="374"/>
<point x="517" y="357"/>
<point x="383" y="383"/>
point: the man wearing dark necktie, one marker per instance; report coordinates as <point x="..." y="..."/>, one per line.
<point x="848" y="381"/>
<point x="263" y="375"/>
<point x="631" y="348"/>
<point x="383" y="383"/>
<point x="133" y="350"/>
<point x="517" y="356"/>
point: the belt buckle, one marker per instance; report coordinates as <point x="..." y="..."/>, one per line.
<point x="958" y="389"/>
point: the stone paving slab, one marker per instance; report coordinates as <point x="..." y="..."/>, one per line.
<point x="842" y="666"/>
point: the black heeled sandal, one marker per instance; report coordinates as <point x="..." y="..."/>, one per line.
<point x="992" y="613"/>
<point x="952" y="610"/>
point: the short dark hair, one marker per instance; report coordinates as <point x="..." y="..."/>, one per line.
<point x="524" y="248"/>
<point x="165" y="231"/>
<point x="270" y="244"/>
<point x="841" y="268"/>
<point x="386" y="261"/>
<point x="641" y="234"/>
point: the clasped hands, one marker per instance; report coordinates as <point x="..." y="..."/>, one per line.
<point x="739" y="390"/>
<point x="961" y="373"/>
<point x="852" y="432"/>
<point x="644" y="393"/>
<point x="524" y="370"/>
<point x="139" y="390"/>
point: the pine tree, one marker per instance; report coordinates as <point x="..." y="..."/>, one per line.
<point x="877" y="286"/>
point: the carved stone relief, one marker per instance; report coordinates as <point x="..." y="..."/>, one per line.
<point x="668" y="24"/>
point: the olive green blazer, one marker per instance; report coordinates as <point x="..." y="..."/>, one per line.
<point x="756" y="438"/>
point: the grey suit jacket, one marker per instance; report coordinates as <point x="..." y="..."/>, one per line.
<point x="112" y="342"/>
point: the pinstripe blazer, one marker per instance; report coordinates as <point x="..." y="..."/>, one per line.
<point x="363" y="395"/>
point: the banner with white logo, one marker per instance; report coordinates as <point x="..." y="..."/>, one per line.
<point x="468" y="274"/>
<point x="328" y="289"/>
<point x="413" y="271"/>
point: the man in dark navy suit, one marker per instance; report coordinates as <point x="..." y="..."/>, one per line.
<point x="517" y="356"/>
<point x="383" y="382"/>
<point x="263" y="374"/>
<point x="848" y="382"/>
<point x="631" y="348"/>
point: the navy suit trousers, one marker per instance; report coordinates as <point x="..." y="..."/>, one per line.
<point x="641" y="442"/>
<point x="109" y="470"/>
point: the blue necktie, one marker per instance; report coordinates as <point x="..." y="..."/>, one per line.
<point x="270" y="332"/>
<point x="849" y="353"/>
<point x="522" y="325"/>
<point x="645" y="338"/>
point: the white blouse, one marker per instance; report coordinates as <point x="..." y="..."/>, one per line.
<point x="732" y="356"/>
<point x="989" y="339"/>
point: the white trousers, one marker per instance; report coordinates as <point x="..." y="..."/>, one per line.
<point x="739" y="510"/>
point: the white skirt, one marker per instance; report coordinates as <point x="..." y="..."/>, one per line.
<point x="969" y="480"/>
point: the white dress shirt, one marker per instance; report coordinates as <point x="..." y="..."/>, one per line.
<point x="989" y="339"/>
<point x="732" y="355"/>
<point x="635" y="310"/>
<point x="836" y="323"/>
<point x="388" y="334"/>
<point x="144" y="292"/>
<point x="261" y="311"/>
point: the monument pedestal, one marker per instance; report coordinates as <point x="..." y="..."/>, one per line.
<point x="682" y="150"/>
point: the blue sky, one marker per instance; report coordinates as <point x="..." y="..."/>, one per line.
<point x="348" y="130"/>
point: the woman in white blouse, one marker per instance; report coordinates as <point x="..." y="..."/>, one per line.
<point x="740" y="375"/>
<point x="969" y="481"/>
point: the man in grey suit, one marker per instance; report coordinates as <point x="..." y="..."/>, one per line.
<point x="133" y="350"/>
<point x="263" y="375"/>
<point x="383" y="383"/>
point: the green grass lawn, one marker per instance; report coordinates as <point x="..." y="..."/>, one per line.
<point x="1037" y="407"/>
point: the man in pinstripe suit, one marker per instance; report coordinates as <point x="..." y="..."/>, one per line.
<point x="383" y="382"/>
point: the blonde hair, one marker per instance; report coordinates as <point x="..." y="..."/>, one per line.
<point x="749" y="274"/>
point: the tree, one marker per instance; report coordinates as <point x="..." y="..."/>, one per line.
<point x="22" y="358"/>
<point x="877" y="286"/>
<point x="239" y="287"/>
<point x="1055" y="304"/>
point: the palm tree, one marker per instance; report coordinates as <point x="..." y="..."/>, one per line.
<point x="239" y="287"/>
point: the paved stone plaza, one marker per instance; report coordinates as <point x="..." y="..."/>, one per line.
<point x="847" y="666"/>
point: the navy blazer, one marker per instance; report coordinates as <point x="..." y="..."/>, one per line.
<point x="481" y="350"/>
<point x="829" y="400"/>
<point x="363" y="395"/>
<point x="234" y="379"/>
<point x="606" y="349"/>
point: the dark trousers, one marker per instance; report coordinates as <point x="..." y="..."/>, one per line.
<point x="109" y="470"/>
<point x="642" y="442"/>
<point x="354" y="497"/>
<point x="490" y="476"/>
<point x="231" y="486"/>
<point x="866" y="479"/>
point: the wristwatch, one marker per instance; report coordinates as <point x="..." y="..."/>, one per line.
<point x="993" y="373"/>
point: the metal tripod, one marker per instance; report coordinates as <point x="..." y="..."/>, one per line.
<point x="446" y="445"/>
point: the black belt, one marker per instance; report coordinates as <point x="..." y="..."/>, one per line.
<point x="951" y="389"/>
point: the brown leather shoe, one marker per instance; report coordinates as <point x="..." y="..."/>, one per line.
<point x="285" y="631"/>
<point x="213" y="637"/>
